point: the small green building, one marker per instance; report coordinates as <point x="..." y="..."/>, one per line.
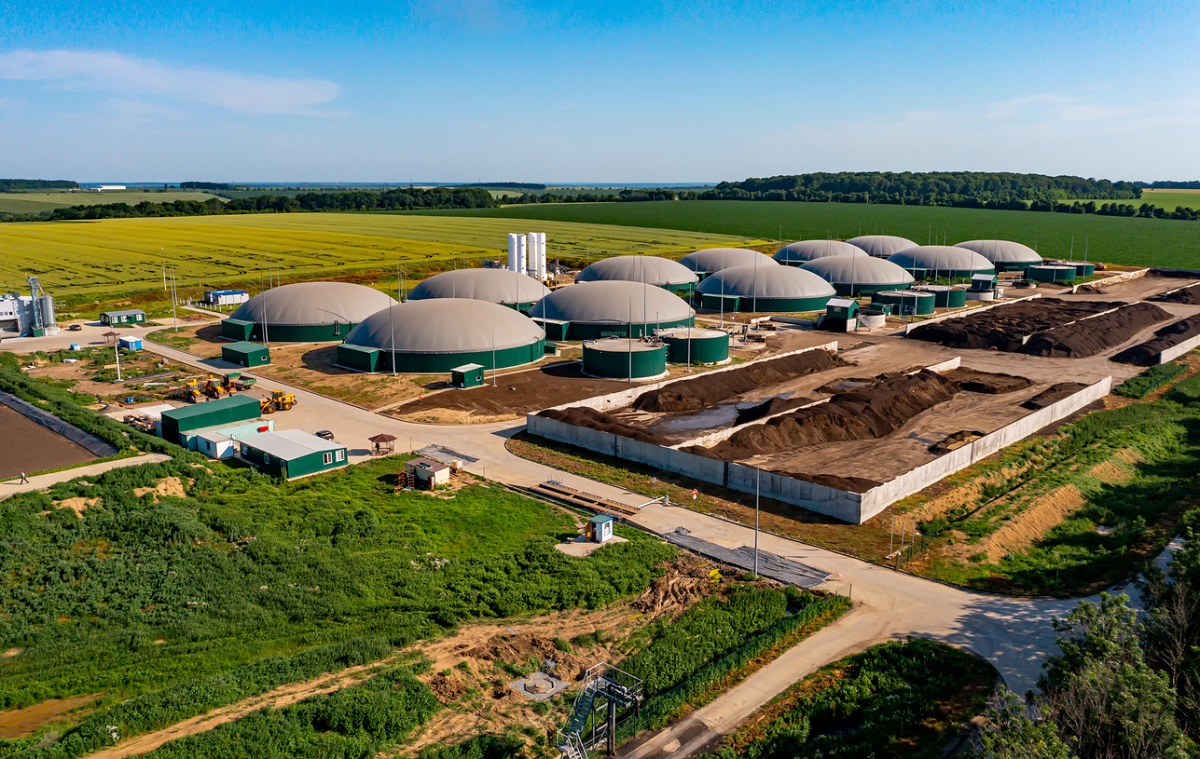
<point x="117" y="318"/>
<point x="236" y="329"/>
<point x="218" y="413"/>
<point x="841" y="308"/>
<point x="359" y="357"/>
<point x="467" y="375"/>
<point x="906" y="302"/>
<point x="246" y="354"/>
<point x="291" y="454"/>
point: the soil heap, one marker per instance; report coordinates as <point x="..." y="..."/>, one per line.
<point x="988" y="383"/>
<point x="1089" y="337"/>
<point x="582" y="416"/>
<point x="1005" y="327"/>
<point x="710" y="389"/>
<point x="1052" y="395"/>
<point x="872" y="412"/>
<point x="1146" y="354"/>
<point x="1188" y="296"/>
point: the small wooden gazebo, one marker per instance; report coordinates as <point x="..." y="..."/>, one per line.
<point x="383" y="444"/>
<point x="111" y="337"/>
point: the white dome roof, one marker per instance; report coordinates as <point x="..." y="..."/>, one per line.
<point x="313" y="303"/>
<point x="941" y="258"/>
<point x="492" y="285"/>
<point x="446" y="325"/>
<point x="612" y="302"/>
<point x="810" y="250"/>
<point x="882" y="246"/>
<point x="859" y="270"/>
<point x="756" y="282"/>
<point x="649" y="269"/>
<point x="1002" y="251"/>
<point x="709" y="260"/>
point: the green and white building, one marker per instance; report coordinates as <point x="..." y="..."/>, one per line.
<point x="442" y="334"/>
<point x="291" y="454"/>
<point x="761" y="289"/>
<point x="651" y="270"/>
<point x="305" y="312"/>
<point x="610" y="308"/>
<point x="507" y="288"/>
<point x="859" y="275"/>
<point x="708" y="261"/>
<point x="942" y="261"/>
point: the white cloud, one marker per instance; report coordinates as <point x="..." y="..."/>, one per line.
<point x="128" y="76"/>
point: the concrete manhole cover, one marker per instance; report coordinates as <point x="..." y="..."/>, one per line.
<point x="539" y="686"/>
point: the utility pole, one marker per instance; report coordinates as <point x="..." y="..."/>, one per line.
<point x="174" y="300"/>
<point x="117" y="350"/>
<point x="757" y="488"/>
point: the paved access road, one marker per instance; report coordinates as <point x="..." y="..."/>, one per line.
<point x="9" y="488"/>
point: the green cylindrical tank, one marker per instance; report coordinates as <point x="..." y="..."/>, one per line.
<point x="620" y="358"/>
<point x="1051" y="273"/>
<point x="708" y="346"/>
<point x="1082" y="268"/>
<point x="906" y="302"/>
<point x="945" y="296"/>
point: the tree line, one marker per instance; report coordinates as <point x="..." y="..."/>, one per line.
<point x="13" y="185"/>
<point x="392" y="200"/>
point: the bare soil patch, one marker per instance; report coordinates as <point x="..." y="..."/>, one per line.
<point x="708" y="390"/>
<point x="989" y="383"/>
<point x="167" y="486"/>
<point x="26" y="446"/>
<point x="1146" y="354"/>
<point x="19" y="723"/>
<point x="513" y="396"/>
<point x="78" y="504"/>
<point x="1052" y="395"/>
<point x="313" y="367"/>
<point x="1090" y="337"/>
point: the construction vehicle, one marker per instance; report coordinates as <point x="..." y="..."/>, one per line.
<point x="214" y="388"/>
<point x="190" y="391"/>
<point x="279" y="401"/>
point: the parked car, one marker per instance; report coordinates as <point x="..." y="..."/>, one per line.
<point x="75" y="328"/>
<point x="325" y="434"/>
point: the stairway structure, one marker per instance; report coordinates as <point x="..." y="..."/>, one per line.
<point x="593" y="719"/>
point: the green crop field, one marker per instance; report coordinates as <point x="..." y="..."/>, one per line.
<point x="1153" y="242"/>
<point x="1169" y="199"/>
<point x="123" y="255"/>
<point x="37" y="202"/>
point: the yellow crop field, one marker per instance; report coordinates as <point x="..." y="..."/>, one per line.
<point x="126" y="255"/>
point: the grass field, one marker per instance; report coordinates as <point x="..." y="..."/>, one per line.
<point x="37" y="202"/>
<point x="1171" y="198"/>
<point x="123" y="255"/>
<point x="1155" y="242"/>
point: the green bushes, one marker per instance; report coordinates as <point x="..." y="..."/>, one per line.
<point x="892" y="700"/>
<point x="1149" y="380"/>
<point x="355" y="723"/>
<point x="716" y="639"/>
<point x="172" y="606"/>
<point x="481" y="747"/>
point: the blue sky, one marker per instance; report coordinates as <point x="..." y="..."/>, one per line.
<point x="474" y="90"/>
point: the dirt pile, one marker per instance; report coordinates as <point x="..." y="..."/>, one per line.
<point x="1052" y="395"/>
<point x="988" y="383"/>
<point x="849" y="484"/>
<point x="1005" y="327"/>
<point x="710" y="389"/>
<point x="1146" y="354"/>
<point x="956" y="440"/>
<point x="858" y="415"/>
<point x="1089" y="337"/>
<point x="1188" y="296"/>
<point x="582" y="416"/>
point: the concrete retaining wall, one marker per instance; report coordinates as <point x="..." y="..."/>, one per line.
<point x="1174" y="352"/>
<point x="968" y="312"/>
<point x="878" y="498"/>
<point x="1100" y="284"/>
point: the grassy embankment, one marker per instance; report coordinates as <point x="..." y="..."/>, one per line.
<point x="907" y="700"/>
<point x="119" y="261"/>
<point x="1141" y="242"/>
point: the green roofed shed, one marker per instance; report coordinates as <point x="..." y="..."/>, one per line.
<point x="226" y="411"/>
<point x="246" y="354"/>
<point x="467" y="375"/>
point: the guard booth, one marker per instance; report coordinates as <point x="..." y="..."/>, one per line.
<point x="246" y="354"/>
<point x="467" y="375"/>
<point x="600" y="528"/>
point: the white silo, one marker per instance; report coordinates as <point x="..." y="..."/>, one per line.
<point x="522" y="254"/>
<point x="545" y="269"/>
<point x="512" y="252"/>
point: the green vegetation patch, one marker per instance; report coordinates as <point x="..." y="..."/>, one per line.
<point x="1113" y="239"/>
<point x="1149" y="380"/>
<point x="893" y="700"/>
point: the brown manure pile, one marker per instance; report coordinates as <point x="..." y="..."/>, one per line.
<point x="873" y="412"/>
<point x="582" y="416"/>
<point x="1188" y="296"/>
<point x="710" y="389"/>
<point x="1004" y="327"/>
<point x="988" y="383"/>
<point x="769" y="407"/>
<point x="1088" y="337"/>
<point x="1052" y="395"/>
<point x="1146" y="354"/>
